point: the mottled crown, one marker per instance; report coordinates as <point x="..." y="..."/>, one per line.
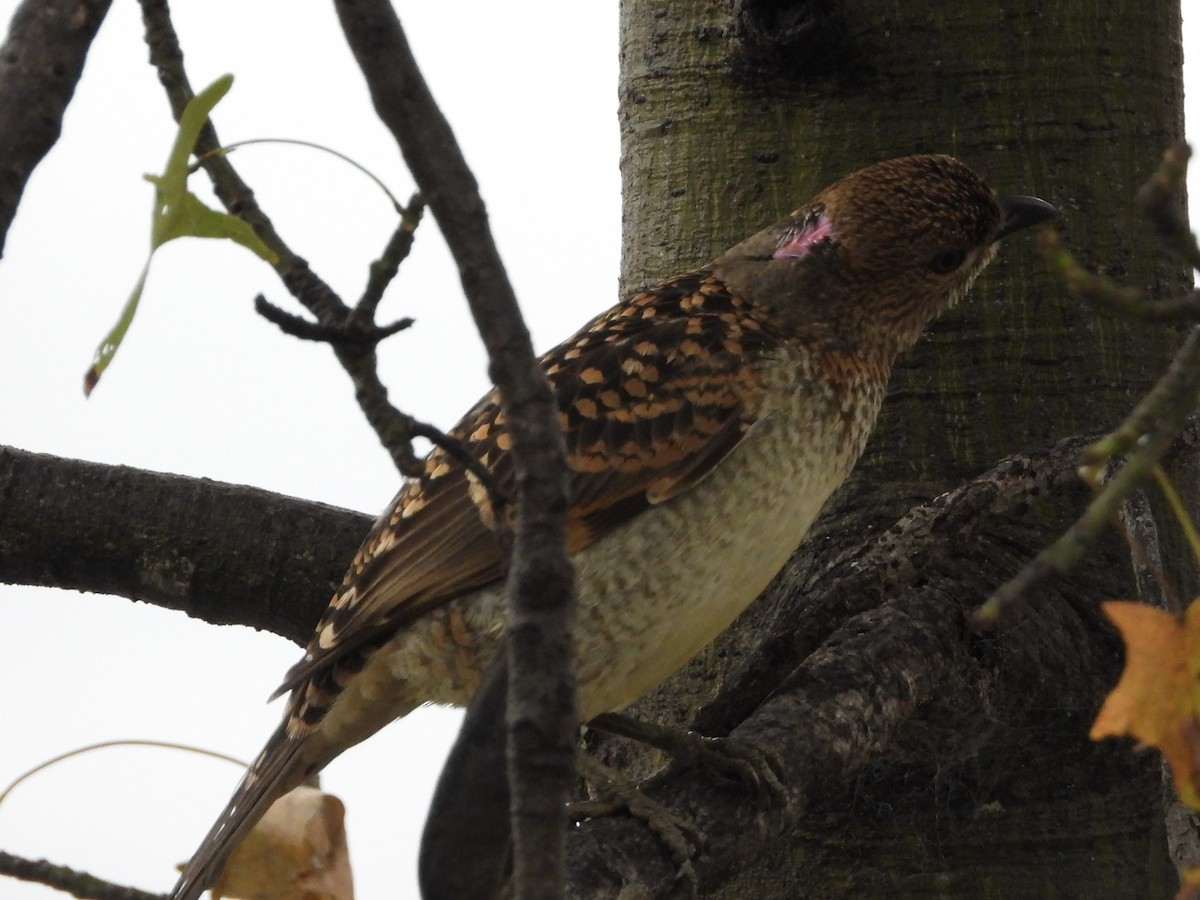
<point x="905" y="212"/>
<point x="875" y="255"/>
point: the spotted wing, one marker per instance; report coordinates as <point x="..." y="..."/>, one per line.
<point x="652" y="395"/>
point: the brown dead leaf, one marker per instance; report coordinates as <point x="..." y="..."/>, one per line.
<point x="297" y="852"/>
<point x="1157" y="699"/>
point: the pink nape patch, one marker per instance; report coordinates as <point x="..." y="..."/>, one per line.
<point x="802" y="242"/>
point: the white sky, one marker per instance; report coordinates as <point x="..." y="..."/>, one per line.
<point x="204" y="387"/>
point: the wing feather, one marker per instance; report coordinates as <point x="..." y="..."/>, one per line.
<point x="652" y="395"/>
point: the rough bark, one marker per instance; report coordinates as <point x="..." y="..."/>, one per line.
<point x="221" y="552"/>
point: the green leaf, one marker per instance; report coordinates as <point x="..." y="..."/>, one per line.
<point x="112" y="340"/>
<point x="185" y="215"/>
<point x="195" y="114"/>
<point x="178" y="213"/>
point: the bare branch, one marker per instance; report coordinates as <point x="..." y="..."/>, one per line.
<point x="1070" y="548"/>
<point x="223" y="553"/>
<point x="384" y="269"/>
<point x="541" y="703"/>
<point x="40" y="64"/>
<point x="1161" y="200"/>
<point x="1103" y="292"/>
<point x="167" y="58"/>
<point x="358" y="329"/>
<point x="348" y="333"/>
<point x="542" y="574"/>
<point x="76" y="883"/>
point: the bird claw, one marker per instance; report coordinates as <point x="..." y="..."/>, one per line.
<point x="750" y="763"/>
<point x="744" y="761"/>
<point x="679" y="836"/>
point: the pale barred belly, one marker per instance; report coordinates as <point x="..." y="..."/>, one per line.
<point x="704" y="557"/>
<point x="651" y="594"/>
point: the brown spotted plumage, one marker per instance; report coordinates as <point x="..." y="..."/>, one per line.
<point x="707" y="419"/>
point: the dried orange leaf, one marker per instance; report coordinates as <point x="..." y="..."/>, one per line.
<point x="297" y="852"/>
<point x="1189" y="884"/>
<point x="1157" y="700"/>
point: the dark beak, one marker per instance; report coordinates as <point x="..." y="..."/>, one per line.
<point x="1022" y="212"/>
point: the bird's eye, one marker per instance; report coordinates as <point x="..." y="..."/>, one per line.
<point x="947" y="261"/>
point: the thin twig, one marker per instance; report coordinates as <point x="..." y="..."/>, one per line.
<point x="350" y="161"/>
<point x="358" y="328"/>
<point x="1102" y="292"/>
<point x="353" y="343"/>
<point x="1162" y="203"/>
<point x="1161" y="426"/>
<point x="408" y="426"/>
<point x="1179" y="386"/>
<point x="384" y="269"/>
<point x="1180" y="511"/>
<point x="349" y="333"/>
<point x="461" y="453"/>
<point x="104" y="745"/>
<point x="167" y="58"/>
<point x="76" y="883"/>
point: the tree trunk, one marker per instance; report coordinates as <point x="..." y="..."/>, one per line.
<point x="973" y="777"/>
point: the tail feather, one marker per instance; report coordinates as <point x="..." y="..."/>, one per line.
<point x="278" y="769"/>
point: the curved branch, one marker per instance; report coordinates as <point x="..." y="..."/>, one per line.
<point x="40" y="64"/>
<point x="301" y="281"/>
<point x="167" y="58"/>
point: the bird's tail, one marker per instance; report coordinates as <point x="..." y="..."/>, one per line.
<point x="278" y="769"/>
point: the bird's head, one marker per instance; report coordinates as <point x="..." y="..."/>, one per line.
<point x="881" y="252"/>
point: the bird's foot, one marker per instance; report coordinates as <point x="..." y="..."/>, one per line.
<point x="747" y="762"/>
<point x="616" y="793"/>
